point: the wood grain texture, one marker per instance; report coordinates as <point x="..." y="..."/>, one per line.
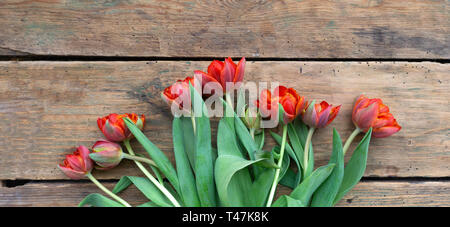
<point x="365" y="194"/>
<point x="49" y="108"/>
<point x="267" y="28"/>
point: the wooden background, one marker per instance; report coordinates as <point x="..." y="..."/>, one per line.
<point x="64" y="63"/>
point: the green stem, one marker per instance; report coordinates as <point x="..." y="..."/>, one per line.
<point x="193" y="122"/>
<point x="139" y="159"/>
<point x="229" y="112"/>
<point x="277" y="172"/>
<point x="252" y="133"/>
<point x="150" y="177"/>
<point x="114" y="196"/>
<point x="306" y="152"/>
<point x="350" y="139"/>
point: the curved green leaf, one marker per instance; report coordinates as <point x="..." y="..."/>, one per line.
<point x="325" y="194"/>
<point x="261" y="187"/>
<point x="305" y="190"/>
<point x="204" y="164"/>
<point x="156" y="154"/>
<point x="226" y="167"/>
<point x="355" y="168"/>
<point x="296" y="145"/>
<point x="185" y="176"/>
<point x="189" y="137"/>
<point x="259" y="139"/>
<point x="289" y="179"/>
<point x="123" y="184"/>
<point x="301" y="130"/>
<point x="287" y="201"/>
<point x="148" y="204"/>
<point x="245" y="138"/>
<point x="146" y="187"/>
<point x="98" y="200"/>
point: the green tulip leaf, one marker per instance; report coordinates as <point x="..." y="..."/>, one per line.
<point x="259" y="139"/>
<point x="148" y="204"/>
<point x="325" y="194"/>
<point x="290" y="179"/>
<point x="188" y="138"/>
<point x="146" y="187"/>
<point x="269" y="161"/>
<point x="228" y="166"/>
<point x="240" y="183"/>
<point x="98" y="200"/>
<point x="261" y="187"/>
<point x="245" y="137"/>
<point x="185" y="176"/>
<point x="301" y="130"/>
<point x="296" y="145"/>
<point x="287" y="201"/>
<point x="204" y="164"/>
<point x="155" y="153"/>
<point x="354" y="170"/>
<point x="305" y="190"/>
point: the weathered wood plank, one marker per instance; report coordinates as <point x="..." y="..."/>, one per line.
<point x="48" y="108"/>
<point x="290" y="28"/>
<point x="65" y="194"/>
<point x="364" y="194"/>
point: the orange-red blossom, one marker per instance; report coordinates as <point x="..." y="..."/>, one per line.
<point x="291" y="101"/>
<point x="373" y="113"/>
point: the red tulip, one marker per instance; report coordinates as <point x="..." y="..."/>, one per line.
<point x="319" y="115"/>
<point x="373" y="113"/>
<point x="179" y="94"/>
<point x="292" y="103"/>
<point x="114" y="128"/>
<point x="223" y="73"/>
<point x="106" y="154"/>
<point x="78" y="164"/>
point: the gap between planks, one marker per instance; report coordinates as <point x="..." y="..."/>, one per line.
<point x="181" y="58"/>
<point x="380" y="193"/>
<point x="21" y="182"/>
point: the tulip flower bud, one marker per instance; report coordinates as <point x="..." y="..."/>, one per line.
<point x="114" y="129"/>
<point x="78" y="164"/>
<point x="178" y="97"/>
<point x="224" y="73"/>
<point x="291" y="101"/>
<point x="252" y="119"/>
<point x="106" y="154"/>
<point x="319" y="115"/>
<point x="373" y="113"/>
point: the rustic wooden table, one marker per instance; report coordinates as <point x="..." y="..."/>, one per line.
<point x="65" y="63"/>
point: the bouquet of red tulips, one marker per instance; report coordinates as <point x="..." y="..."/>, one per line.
<point x="240" y="170"/>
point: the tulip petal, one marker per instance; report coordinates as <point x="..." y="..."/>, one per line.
<point x="383" y="119"/>
<point x="365" y="117"/>
<point x="204" y="77"/>
<point x="75" y="162"/>
<point x="215" y="68"/>
<point x="73" y="174"/>
<point x="87" y="162"/>
<point x="324" y="114"/>
<point x="385" y="131"/>
<point x="300" y="106"/>
<point x="333" y="114"/>
<point x="309" y="117"/>
<point x="227" y="74"/>
<point x="240" y="71"/>
<point x="113" y="132"/>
